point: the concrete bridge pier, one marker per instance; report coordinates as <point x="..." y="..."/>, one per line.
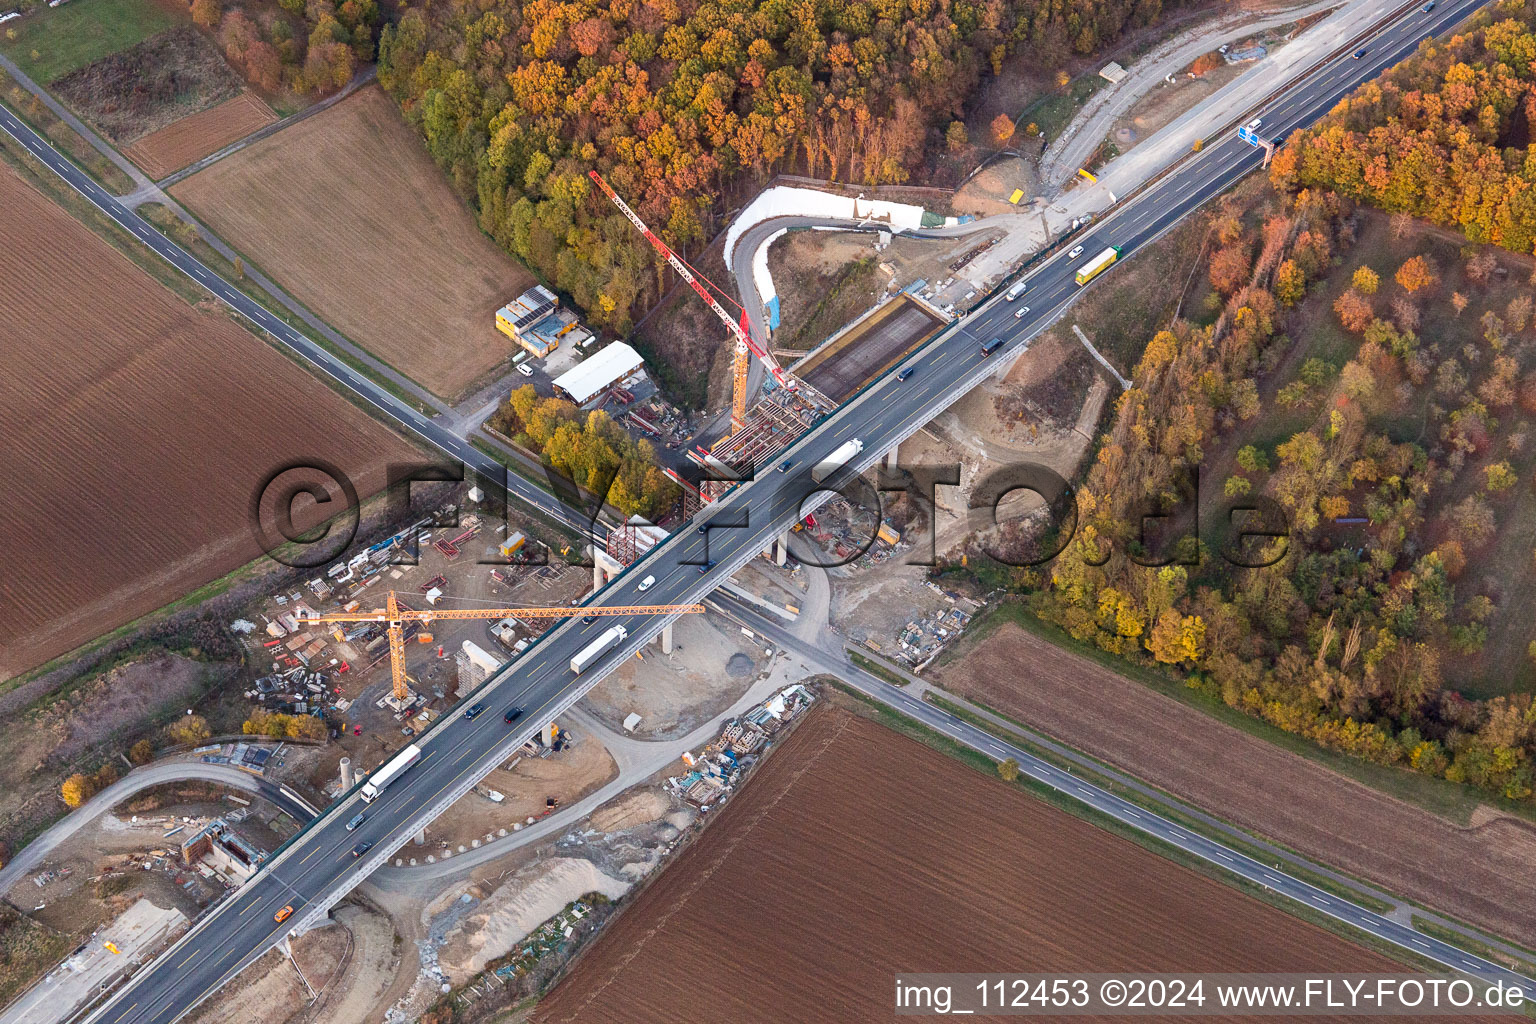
<point x="665" y="639"/>
<point x="891" y="457"/>
<point x="781" y="549"/>
<point x="421" y="837"/>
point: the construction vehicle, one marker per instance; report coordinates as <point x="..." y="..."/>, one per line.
<point x="840" y="457"/>
<point x="739" y="329"/>
<point x="610" y="638"/>
<point x="389" y="772"/>
<point x="396" y="616"/>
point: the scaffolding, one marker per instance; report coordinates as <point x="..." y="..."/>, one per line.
<point x="628" y="542"/>
<point x="773" y="425"/>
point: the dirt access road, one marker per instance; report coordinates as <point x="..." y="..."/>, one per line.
<point x="857" y="853"/>
<point x="1479" y="872"/>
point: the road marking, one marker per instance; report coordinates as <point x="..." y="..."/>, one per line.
<point x="126" y="1012"/>
<point x="195" y="954"/>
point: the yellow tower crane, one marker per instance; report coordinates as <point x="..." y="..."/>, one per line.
<point x="396" y="617"/>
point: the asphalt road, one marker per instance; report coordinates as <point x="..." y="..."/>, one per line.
<point x="1125" y="811"/>
<point x="136" y="781"/>
<point x="317" y="867"/>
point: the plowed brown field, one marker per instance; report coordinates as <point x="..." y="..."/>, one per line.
<point x="348" y="212"/>
<point x="195" y="136"/>
<point x="136" y="432"/>
<point x="857" y="853"/>
<point x="1479" y="873"/>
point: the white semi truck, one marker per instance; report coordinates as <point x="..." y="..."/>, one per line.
<point x="389" y="771"/>
<point x="839" y="458"/>
<point x="610" y="638"/>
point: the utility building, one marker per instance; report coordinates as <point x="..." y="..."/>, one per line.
<point x="535" y="321"/>
<point x="616" y="366"/>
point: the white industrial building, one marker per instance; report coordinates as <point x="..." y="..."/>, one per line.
<point x="617" y="365"/>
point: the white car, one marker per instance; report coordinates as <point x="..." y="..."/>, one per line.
<point x="1023" y="311"/>
<point x="525" y="369"/>
<point x="1075" y="253"/>
<point x="647" y="583"/>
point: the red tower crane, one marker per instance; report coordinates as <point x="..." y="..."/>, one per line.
<point x="740" y="329"/>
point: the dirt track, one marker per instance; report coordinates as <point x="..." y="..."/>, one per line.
<point x="137" y="431"/>
<point x="347" y="212"/>
<point x="194" y="137"/>
<point x="857" y="853"/>
<point x="1480" y="874"/>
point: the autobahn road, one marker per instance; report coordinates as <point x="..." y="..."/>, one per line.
<point x="316" y="868"/>
<point x="1124" y="811"/>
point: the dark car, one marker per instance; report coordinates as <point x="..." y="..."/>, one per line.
<point x="991" y="346"/>
<point x="1358" y="53"/>
<point x="706" y="567"/>
<point x="1428" y="7"/>
<point x="357" y="820"/>
<point x="474" y="712"/>
<point x="784" y="466"/>
<point x="361" y="848"/>
<point x="904" y="374"/>
<point x="512" y="715"/>
<point x="587" y="620"/>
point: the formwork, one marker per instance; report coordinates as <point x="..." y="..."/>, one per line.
<point x="869" y="345"/>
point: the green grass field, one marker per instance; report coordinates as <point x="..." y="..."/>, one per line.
<point x="53" y="42"/>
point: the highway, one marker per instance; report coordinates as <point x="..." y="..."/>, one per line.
<point x="1124" y="811"/>
<point x="317" y="867"/>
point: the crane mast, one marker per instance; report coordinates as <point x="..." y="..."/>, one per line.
<point x="740" y="331"/>
<point x="395" y="617"/>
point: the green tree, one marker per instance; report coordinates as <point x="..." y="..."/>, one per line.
<point x="1252" y="460"/>
<point x="1501" y="477"/>
<point x="1008" y="770"/>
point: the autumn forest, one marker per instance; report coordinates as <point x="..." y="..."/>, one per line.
<point x="680" y="104"/>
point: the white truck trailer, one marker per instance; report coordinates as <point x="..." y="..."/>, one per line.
<point x="610" y="638"/>
<point x="837" y="460"/>
<point x="389" y="771"/>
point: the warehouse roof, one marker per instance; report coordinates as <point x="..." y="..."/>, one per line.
<point x="604" y="368"/>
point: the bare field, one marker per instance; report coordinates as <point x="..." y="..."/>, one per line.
<point x="348" y="212"/>
<point x="1478" y="873"/>
<point x="138" y="429"/>
<point x="194" y="137"/>
<point x="857" y="853"/>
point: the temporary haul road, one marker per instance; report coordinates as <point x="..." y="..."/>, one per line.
<point x="317" y="867"/>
